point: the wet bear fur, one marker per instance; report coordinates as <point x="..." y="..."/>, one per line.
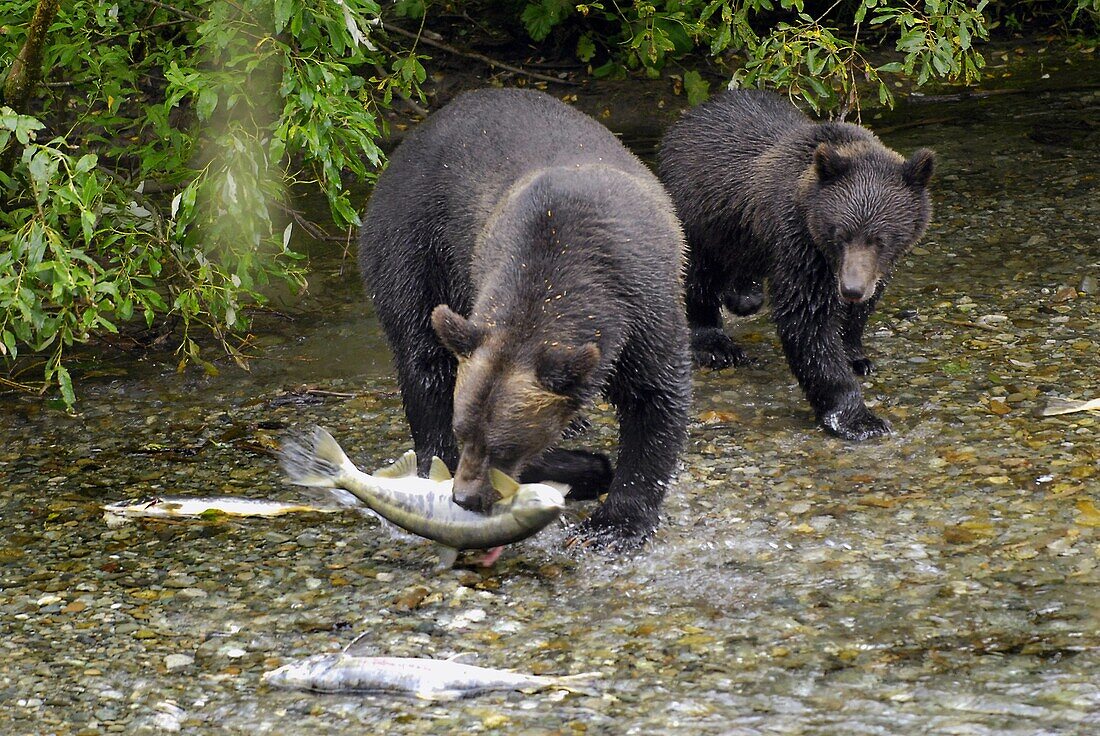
<point x="522" y="262"/>
<point x="820" y="212"/>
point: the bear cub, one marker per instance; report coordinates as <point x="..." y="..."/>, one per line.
<point x="522" y="262"/>
<point x="820" y="212"/>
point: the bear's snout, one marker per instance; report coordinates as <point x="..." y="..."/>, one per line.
<point x="852" y="294"/>
<point x="479" y="498"/>
<point x="472" y="489"/>
<point x="858" y="274"/>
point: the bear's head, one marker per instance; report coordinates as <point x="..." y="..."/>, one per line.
<point x="865" y="206"/>
<point x="513" y="398"/>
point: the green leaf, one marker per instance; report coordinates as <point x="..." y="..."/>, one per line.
<point x="7" y="342"/>
<point x="696" y="87"/>
<point x="207" y="103"/>
<point x="721" y="41"/>
<point x="539" y="18"/>
<point x="586" y="48"/>
<point x="911" y="40"/>
<point x="38" y="168"/>
<point x="813" y="63"/>
<point x="65" y="383"/>
<point x="942" y="63"/>
<point x="86" y="163"/>
<point x="283" y="10"/>
<point x="819" y="89"/>
<point x="87" y="225"/>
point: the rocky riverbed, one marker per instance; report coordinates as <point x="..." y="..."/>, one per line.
<point x="943" y="580"/>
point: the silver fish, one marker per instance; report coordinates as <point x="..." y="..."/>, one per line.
<point x="175" y="507"/>
<point x="424" y="506"/>
<point x="1056" y="405"/>
<point x="430" y="679"/>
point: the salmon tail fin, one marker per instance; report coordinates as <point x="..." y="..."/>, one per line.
<point x="313" y="459"/>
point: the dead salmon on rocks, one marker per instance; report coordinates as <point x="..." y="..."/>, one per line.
<point x="430" y="679"/>
<point x="424" y="506"/>
<point x="180" y="507"/>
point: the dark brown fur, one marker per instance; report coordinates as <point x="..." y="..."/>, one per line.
<point x="820" y="211"/>
<point x="521" y="258"/>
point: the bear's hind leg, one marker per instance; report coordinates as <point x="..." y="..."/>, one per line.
<point x="711" y="347"/>
<point x="744" y="299"/>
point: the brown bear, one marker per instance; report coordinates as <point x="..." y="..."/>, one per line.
<point x="819" y="211"/>
<point x="522" y="262"/>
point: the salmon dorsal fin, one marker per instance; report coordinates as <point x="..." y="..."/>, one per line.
<point x="462" y="658"/>
<point x="503" y="484"/>
<point x="360" y="646"/>
<point x="439" y="472"/>
<point x="403" y="468"/>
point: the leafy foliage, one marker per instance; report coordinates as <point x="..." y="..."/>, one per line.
<point x="147" y="183"/>
<point x="540" y="17"/>
<point x="780" y="42"/>
<point x="1080" y="15"/>
<point x="150" y="180"/>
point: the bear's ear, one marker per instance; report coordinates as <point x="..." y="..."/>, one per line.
<point x="457" y="333"/>
<point x="829" y="163"/>
<point x="917" y="171"/>
<point x="564" y="369"/>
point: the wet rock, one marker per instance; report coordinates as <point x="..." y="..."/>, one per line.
<point x="307" y="539"/>
<point x="175" y="662"/>
<point x="1064" y="294"/>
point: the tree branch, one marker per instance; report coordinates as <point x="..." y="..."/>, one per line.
<point x="479" y="57"/>
<point x="178" y="11"/>
<point x="26" y="72"/>
<point x="26" y="69"/>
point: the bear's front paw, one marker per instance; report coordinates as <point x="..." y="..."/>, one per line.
<point x="863" y="366"/>
<point x="606" y="531"/>
<point x="712" y="348"/>
<point x="855" y="425"/>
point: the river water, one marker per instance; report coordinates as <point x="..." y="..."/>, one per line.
<point x="942" y="580"/>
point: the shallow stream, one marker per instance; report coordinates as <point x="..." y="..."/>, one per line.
<point x="943" y="580"/>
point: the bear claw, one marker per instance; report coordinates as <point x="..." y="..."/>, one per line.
<point x="863" y="366"/>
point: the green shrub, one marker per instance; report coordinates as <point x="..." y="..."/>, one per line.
<point x="217" y="107"/>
